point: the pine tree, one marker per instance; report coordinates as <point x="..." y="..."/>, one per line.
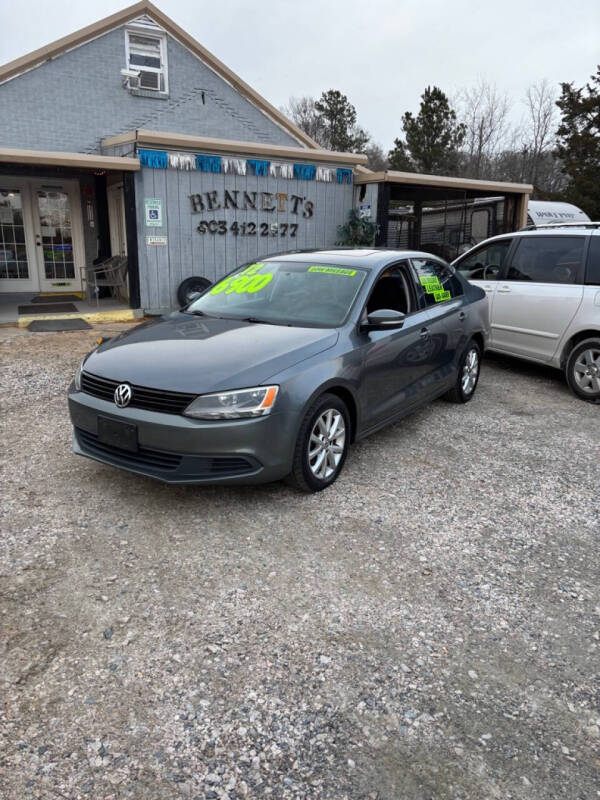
<point x="432" y="138"/>
<point x="579" y="143"/>
<point x="338" y="120"/>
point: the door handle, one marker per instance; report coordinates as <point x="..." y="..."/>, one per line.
<point x="504" y="289"/>
<point x="488" y="288"/>
<point x="462" y="316"/>
<point x="424" y="332"/>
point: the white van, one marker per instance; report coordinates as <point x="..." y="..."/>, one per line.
<point x="543" y="286"/>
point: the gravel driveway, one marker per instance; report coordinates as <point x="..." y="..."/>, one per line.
<point x="427" y="628"/>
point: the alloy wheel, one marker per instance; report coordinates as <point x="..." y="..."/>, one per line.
<point x="470" y="371"/>
<point x="326" y="444"/>
<point x="586" y="370"/>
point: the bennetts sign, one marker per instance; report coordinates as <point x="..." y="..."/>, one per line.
<point x="251" y="201"/>
<point x="270" y="202"/>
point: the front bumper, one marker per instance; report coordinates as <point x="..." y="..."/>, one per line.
<point x="178" y="449"/>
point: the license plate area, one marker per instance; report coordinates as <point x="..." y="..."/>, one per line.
<point x="122" y="435"/>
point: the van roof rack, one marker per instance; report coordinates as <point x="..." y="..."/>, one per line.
<point x="535" y="227"/>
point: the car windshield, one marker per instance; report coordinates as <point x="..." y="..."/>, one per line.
<point x="284" y="293"/>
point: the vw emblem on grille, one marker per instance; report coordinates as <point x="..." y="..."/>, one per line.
<point x="123" y="395"/>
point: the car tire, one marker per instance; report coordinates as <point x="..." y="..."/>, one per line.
<point x="190" y="285"/>
<point x="315" y="466"/>
<point x="467" y="376"/>
<point x="582" y="370"/>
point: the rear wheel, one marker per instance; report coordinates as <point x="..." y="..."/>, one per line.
<point x="322" y="445"/>
<point x="583" y="370"/>
<point x="467" y="375"/>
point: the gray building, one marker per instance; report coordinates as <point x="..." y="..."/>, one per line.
<point x="128" y="140"/>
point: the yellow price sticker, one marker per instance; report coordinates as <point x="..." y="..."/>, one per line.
<point x="441" y="295"/>
<point x="248" y="281"/>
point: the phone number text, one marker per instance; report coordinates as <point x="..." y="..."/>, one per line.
<point x="220" y="226"/>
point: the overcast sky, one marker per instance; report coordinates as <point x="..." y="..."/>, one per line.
<point x="380" y="53"/>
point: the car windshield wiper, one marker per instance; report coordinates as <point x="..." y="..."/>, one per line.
<point x="199" y="313"/>
<point x="265" y="321"/>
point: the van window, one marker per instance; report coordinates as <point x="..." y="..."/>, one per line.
<point x="547" y="259"/>
<point x="485" y="263"/>
<point x="592" y="270"/>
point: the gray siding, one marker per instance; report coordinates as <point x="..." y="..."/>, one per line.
<point x="71" y="102"/>
<point x="371" y="193"/>
<point x="162" y="268"/>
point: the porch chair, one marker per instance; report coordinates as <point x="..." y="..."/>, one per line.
<point x="112" y="273"/>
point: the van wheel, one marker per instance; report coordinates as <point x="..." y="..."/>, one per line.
<point x="467" y="375"/>
<point x="583" y="370"/>
<point x="322" y="445"/>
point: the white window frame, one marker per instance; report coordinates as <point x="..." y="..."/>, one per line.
<point x="163" y="70"/>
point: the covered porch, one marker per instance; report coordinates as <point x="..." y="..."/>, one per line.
<point x="68" y="243"/>
<point x="438" y="214"/>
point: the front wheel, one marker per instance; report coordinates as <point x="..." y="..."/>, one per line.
<point x="467" y="375"/>
<point x="322" y="445"/>
<point x="583" y="370"/>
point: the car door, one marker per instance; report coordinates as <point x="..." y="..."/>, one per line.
<point x="395" y="362"/>
<point x="447" y="310"/>
<point x="483" y="267"/>
<point x="538" y="294"/>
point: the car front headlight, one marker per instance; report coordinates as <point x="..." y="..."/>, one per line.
<point x="77" y="381"/>
<point x="241" y="403"/>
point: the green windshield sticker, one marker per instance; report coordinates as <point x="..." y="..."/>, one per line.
<point x="248" y="281"/>
<point x="350" y="273"/>
<point x="441" y="295"/>
<point x="431" y="283"/>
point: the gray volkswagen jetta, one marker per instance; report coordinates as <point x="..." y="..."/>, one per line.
<point x="275" y="370"/>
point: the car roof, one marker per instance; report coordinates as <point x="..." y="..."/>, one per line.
<point x="346" y="256"/>
<point x="548" y="230"/>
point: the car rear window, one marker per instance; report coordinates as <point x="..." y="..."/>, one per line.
<point x="438" y="281"/>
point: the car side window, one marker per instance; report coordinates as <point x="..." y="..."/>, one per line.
<point x="547" y="259"/>
<point x="485" y="263"/>
<point x="592" y="269"/>
<point x="437" y="280"/>
<point x="391" y="290"/>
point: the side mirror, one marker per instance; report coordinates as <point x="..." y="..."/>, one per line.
<point x="383" y="319"/>
<point x="193" y="296"/>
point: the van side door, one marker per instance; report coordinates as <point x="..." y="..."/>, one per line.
<point x="538" y="294"/>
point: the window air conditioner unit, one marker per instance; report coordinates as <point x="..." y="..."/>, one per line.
<point x="149" y="80"/>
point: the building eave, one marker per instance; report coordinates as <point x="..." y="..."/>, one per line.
<point x="55" y="158"/>
<point x="165" y="140"/>
<point x="442" y="181"/>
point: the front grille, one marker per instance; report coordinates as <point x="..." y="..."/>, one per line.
<point x="142" y="396"/>
<point x="187" y="465"/>
<point x="143" y="457"/>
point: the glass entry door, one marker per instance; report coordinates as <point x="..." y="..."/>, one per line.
<point x="18" y="267"/>
<point x="41" y="235"/>
<point x="58" y="235"/>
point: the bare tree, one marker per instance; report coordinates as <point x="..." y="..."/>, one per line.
<point x="540" y="125"/>
<point x="377" y="158"/>
<point x="302" y="112"/>
<point x="484" y="112"/>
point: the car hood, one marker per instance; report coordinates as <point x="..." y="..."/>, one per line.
<point x="184" y="353"/>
